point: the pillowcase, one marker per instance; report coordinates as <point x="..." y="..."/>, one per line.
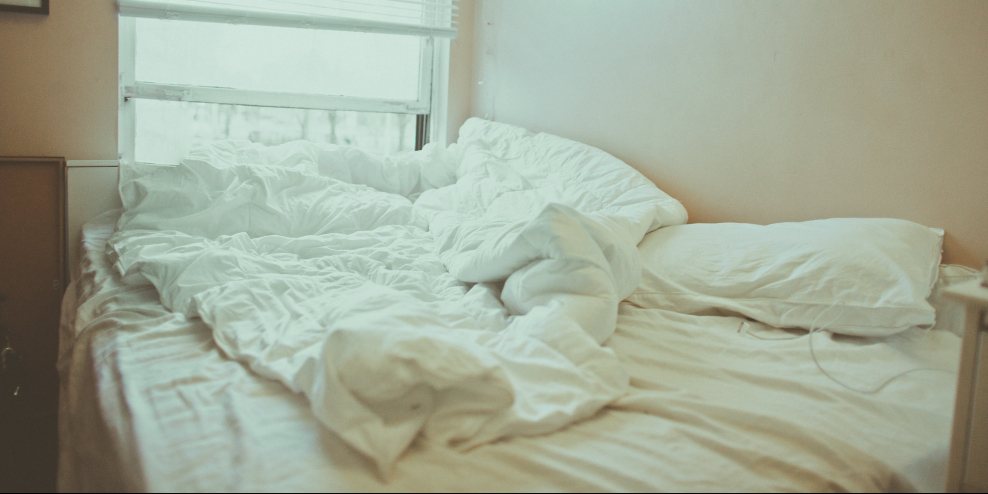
<point x="875" y="273"/>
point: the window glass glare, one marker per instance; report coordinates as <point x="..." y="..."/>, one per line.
<point x="167" y="130"/>
<point x="261" y="58"/>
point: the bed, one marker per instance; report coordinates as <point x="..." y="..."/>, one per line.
<point x="151" y="402"/>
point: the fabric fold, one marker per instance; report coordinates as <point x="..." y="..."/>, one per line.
<point x="447" y="295"/>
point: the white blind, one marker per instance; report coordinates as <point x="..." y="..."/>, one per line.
<point x="435" y="18"/>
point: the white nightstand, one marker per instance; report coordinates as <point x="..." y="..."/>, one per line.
<point x="968" y="470"/>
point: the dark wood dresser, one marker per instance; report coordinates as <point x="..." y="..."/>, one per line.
<point x="32" y="281"/>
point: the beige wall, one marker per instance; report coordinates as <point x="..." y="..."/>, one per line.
<point x="58" y="81"/>
<point x="761" y="111"/>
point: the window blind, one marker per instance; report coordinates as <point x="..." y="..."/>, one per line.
<point x="431" y="18"/>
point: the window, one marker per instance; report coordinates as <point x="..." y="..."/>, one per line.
<point x="366" y="73"/>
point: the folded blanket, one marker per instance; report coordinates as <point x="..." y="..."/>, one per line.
<point x="453" y="295"/>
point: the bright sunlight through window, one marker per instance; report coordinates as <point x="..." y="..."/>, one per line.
<point x="239" y="70"/>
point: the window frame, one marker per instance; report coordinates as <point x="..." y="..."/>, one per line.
<point x="430" y="107"/>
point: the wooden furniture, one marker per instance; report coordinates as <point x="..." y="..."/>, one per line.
<point x="32" y="278"/>
<point x="968" y="470"/>
<point x="31" y="7"/>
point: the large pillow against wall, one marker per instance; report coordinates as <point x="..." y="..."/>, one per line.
<point x="568" y="172"/>
<point x="875" y="273"/>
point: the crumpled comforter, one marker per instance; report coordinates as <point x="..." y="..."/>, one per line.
<point x="453" y="295"/>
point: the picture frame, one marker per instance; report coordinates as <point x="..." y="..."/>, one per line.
<point x="25" y="6"/>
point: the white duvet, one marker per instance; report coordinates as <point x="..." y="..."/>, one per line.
<point x="456" y="295"/>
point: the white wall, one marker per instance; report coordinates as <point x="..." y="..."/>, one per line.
<point x="761" y="111"/>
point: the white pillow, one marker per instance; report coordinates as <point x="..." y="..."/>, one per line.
<point x="875" y="273"/>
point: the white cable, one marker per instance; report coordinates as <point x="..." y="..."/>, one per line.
<point x="744" y="332"/>
<point x="816" y="361"/>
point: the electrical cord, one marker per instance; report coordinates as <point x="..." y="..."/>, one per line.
<point x="815" y="329"/>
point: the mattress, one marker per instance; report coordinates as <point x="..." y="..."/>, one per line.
<point x="149" y="403"/>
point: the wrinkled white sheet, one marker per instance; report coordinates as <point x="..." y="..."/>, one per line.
<point x="150" y="403"/>
<point x="374" y="286"/>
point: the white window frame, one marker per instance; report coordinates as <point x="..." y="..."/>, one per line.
<point x="432" y="100"/>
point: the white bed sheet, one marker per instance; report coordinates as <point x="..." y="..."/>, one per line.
<point x="150" y="403"/>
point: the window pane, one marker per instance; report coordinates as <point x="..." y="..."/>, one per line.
<point x="167" y="130"/>
<point x="261" y="58"/>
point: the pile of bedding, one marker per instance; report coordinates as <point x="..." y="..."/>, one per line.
<point x="150" y="403"/>
<point x="455" y="295"/>
<point x="294" y="318"/>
